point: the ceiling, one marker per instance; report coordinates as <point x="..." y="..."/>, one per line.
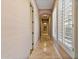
<point x="44" y="4"/>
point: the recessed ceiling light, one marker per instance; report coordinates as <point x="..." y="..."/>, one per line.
<point x="45" y="23"/>
<point x="44" y="15"/>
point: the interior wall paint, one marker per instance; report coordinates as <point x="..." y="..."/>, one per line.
<point x="44" y="4"/>
<point x="16" y="29"/>
<point x="36" y="22"/>
<point x="45" y="11"/>
<point x="75" y="28"/>
<point x="54" y="24"/>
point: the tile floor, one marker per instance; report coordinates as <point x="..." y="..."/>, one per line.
<point x="45" y="49"/>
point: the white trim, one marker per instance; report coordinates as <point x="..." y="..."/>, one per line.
<point x="58" y="52"/>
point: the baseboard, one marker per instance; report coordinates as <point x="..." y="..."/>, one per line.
<point x="62" y="52"/>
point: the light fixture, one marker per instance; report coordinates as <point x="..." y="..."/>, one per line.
<point x="45" y="15"/>
<point x="44" y="23"/>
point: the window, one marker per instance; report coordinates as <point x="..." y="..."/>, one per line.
<point x="60" y="21"/>
<point x="68" y="25"/>
<point x="65" y="24"/>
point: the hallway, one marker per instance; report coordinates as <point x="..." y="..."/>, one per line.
<point x="45" y="49"/>
<point x="39" y="29"/>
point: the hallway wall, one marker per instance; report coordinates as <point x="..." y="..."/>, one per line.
<point x="54" y="24"/>
<point x="16" y="29"/>
<point x="36" y="22"/>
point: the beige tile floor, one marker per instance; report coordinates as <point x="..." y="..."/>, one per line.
<point x="45" y="49"/>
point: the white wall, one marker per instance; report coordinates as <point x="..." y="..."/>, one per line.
<point x="36" y="22"/>
<point x="75" y="28"/>
<point x="44" y="11"/>
<point x="36" y="29"/>
<point x="54" y="24"/>
<point x="16" y="29"/>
